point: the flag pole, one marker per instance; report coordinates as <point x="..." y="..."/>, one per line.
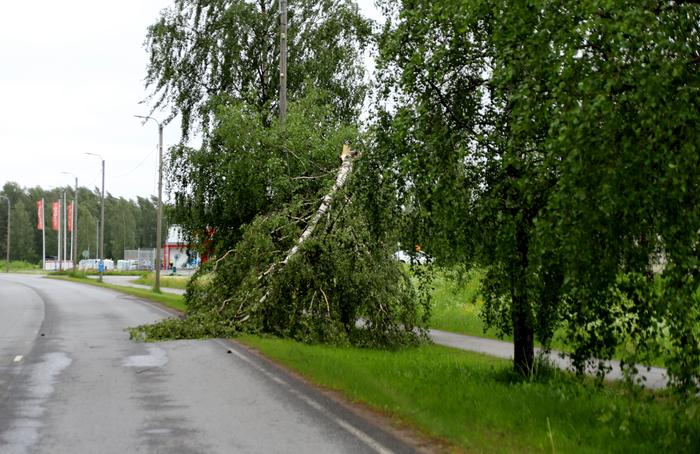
<point x="58" y="231"/>
<point x="43" y="237"/>
<point x="65" y="208"/>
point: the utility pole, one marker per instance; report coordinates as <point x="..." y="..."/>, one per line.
<point x="283" y="61"/>
<point x="159" y="216"/>
<point x="7" y="259"/>
<point x="159" y="223"/>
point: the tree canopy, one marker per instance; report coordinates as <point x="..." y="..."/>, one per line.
<point x="252" y="189"/>
<point x="204" y="53"/>
<point x="552" y="143"/>
<point x="556" y="144"/>
<point x="129" y="224"/>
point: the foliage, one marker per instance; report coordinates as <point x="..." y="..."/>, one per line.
<point x="556" y="143"/>
<point x="129" y="224"/>
<point x="19" y="265"/>
<point x="456" y="302"/>
<point x="441" y="391"/>
<point x="207" y="53"/>
<point x="265" y="184"/>
<point x="245" y="197"/>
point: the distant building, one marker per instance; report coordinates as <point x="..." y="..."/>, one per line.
<point x="176" y="252"/>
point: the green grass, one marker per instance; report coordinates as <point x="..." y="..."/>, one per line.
<point x="18" y="266"/>
<point x="477" y="404"/>
<point x="173" y="301"/>
<point x="457" y="302"/>
<point x="115" y="273"/>
<point x="179" y="282"/>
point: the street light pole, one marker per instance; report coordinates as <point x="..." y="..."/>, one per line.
<point x="7" y="263"/>
<point x="102" y="220"/>
<point x="159" y="222"/>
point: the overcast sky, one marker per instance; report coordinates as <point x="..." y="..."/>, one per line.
<point x="71" y="79"/>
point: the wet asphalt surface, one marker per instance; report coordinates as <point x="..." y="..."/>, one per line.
<point x="71" y="381"/>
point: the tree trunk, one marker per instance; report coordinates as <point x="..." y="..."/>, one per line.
<point x="346" y="158"/>
<point x="523" y="332"/>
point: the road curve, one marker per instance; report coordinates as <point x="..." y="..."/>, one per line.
<point x="71" y="381"/>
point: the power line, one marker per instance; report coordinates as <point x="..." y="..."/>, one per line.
<point x="139" y="165"/>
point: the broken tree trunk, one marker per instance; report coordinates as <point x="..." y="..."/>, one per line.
<point x="346" y="157"/>
<point x="346" y="167"/>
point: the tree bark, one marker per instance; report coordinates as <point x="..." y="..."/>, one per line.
<point x="346" y="158"/>
<point x="340" y="179"/>
<point x="523" y="332"/>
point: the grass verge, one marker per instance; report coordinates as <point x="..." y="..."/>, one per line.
<point x="19" y="266"/>
<point x="179" y="282"/>
<point x="457" y="303"/>
<point x="115" y="273"/>
<point x="476" y="403"/>
<point x="170" y="300"/>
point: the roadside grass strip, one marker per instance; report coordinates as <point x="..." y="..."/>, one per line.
<point x="18" y="266"/>
<point x="476" y="403"/>
<point x="170" y="300"/>
<point x="179" y="282"/>
<point x="456" y="304"/>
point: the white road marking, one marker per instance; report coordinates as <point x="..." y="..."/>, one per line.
<point x="18" y="358"/>
<point x="365" y="438"/>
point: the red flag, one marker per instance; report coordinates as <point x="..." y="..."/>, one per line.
<point x="40" y="214"/>
<point x="70" y="217"/>
<point x="55" y="213"/>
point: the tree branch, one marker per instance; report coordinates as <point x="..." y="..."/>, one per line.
<point x="347" y="157"/>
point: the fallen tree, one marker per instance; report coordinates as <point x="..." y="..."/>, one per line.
<point x="310" y="265"/>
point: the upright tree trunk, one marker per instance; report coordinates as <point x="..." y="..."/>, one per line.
<point x="523" y="332"/>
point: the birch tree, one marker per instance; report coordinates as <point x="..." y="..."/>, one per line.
<point x="555" y="143"/>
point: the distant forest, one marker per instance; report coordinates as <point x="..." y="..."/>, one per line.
<point x="129" y="224"/>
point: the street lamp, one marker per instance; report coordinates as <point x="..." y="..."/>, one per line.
<point x="159" y="222"/>
<point x="101" y="266"/>
<point x="7" y="263"/>
<point x="74" y="220"/>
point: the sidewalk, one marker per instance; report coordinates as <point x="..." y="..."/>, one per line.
<point x="653" y="377"/>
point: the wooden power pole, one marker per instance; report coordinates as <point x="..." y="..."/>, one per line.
<point x="283" y="61"/>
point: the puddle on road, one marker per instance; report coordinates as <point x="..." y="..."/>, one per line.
<point x="156" y="357"/>
<point x="42" y="376"/>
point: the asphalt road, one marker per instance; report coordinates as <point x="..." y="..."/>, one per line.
<point x="71" y="381"/>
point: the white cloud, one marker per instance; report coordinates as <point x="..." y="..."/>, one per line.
<point x="71" y="79"/>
